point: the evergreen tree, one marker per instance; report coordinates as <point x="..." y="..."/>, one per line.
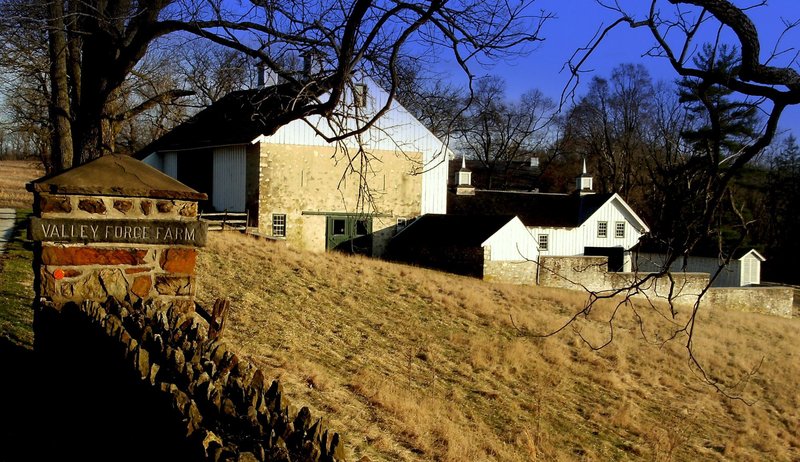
<point x="783" y="195"/>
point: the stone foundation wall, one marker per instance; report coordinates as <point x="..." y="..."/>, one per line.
<point x="220" y="404"/>
<point x="510" y="272"/>
<point x="96" y="271"/>
<point x="776" y="301"/>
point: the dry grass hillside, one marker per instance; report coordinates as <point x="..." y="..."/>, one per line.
<point x="417" y="365"/>
<point x="13" y="176"/>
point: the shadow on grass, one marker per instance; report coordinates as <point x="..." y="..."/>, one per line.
<point x="73" y="398"/>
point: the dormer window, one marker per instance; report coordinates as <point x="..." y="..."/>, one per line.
<point x="359" y="95"/>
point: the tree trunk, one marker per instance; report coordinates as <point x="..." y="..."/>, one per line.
<point x="61" y="145"/>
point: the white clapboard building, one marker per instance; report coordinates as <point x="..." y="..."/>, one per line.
<point x="579" y="223"/>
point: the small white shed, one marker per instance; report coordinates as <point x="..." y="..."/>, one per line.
<point x="743" y="270"/>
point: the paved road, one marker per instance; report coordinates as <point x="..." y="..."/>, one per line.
<point x="6" y="226"/>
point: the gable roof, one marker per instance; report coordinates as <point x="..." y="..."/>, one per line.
<point x="534" y="209"/>
<point x="436" y="230"/>
<point x="237" y="118"/>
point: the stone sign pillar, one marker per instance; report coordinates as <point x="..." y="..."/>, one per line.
<point x="115" y="227"/>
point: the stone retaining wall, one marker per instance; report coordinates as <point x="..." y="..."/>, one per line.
<point x="776" y="301"/>
<point x="590" y="273"/>
<point x="222" y="404"/>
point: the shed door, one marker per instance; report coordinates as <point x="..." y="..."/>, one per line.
<point x="229" y="179"/>
<point x="349" y="233"/>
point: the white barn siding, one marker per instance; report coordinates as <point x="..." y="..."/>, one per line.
<point x="154" y="160"/>
<point x="397" y="130"/>
<point x="611" y="212"/>
<point x="573" y="241"/>
<point x="229" y="184"/>
<point x="512" y="242"/>
<point x="750" y="270"/>
<point x="561" y="241"/>
<point x="170" y="165"/>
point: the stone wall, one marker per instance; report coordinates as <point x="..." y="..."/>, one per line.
<point x="94" y="271"/>
<point x="776" y="301"/>
<point x="220" y="405"/>
<point x="591" y="273"/>
<point x="508" y="272"/>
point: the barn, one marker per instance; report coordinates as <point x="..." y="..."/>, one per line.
<point x="299" y="186"/>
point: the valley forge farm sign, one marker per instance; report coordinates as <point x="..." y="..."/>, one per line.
<point x="158" y="232"/>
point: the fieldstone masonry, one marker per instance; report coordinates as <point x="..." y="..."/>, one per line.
<point x="115" y="227"/>
<point x="114" y="266"/>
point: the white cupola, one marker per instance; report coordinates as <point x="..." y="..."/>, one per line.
<point x="464" y="180"/>
<point x="583" y="182"/>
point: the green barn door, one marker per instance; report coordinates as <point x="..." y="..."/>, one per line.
<point x="349" y="233"/>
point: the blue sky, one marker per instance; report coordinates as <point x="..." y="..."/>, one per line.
<point x="578" y="20"/>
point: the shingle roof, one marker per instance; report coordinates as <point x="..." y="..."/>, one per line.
<point x="436" y="230"/>
<point x="534" y="209"/>
<point x="115" y="175"/>
<point x="239" y="117"/>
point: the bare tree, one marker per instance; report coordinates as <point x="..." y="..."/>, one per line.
<point x="608" y="127"/>
<point x="771" y="82"/>
<point x="94" y="46"/>
<point x="500" y="133"/>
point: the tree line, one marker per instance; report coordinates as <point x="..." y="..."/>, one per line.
<point x="657" y="144"/>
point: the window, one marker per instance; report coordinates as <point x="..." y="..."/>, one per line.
<point x="278" y="225"/>
<point x="602" y="229"/>
<point x="619" y="229"/>
<point x="339" y="226"/>
<point x="362" y="228"/>
<point x="359" y="95"/>
<point x="544" y="242"/>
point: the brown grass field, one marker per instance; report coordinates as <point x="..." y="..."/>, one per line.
<point x="13" y="176"/>
<point x="414" y="365"/>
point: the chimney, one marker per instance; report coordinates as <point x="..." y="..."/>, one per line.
<point x="583" y="182"/>
<point x="464" y="180"/>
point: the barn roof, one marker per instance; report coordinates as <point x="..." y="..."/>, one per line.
<point x="534" y="209"/>
<point x="437" y="230"/>
<point x="518" y="176"/>
<point x="237" y="118"/>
